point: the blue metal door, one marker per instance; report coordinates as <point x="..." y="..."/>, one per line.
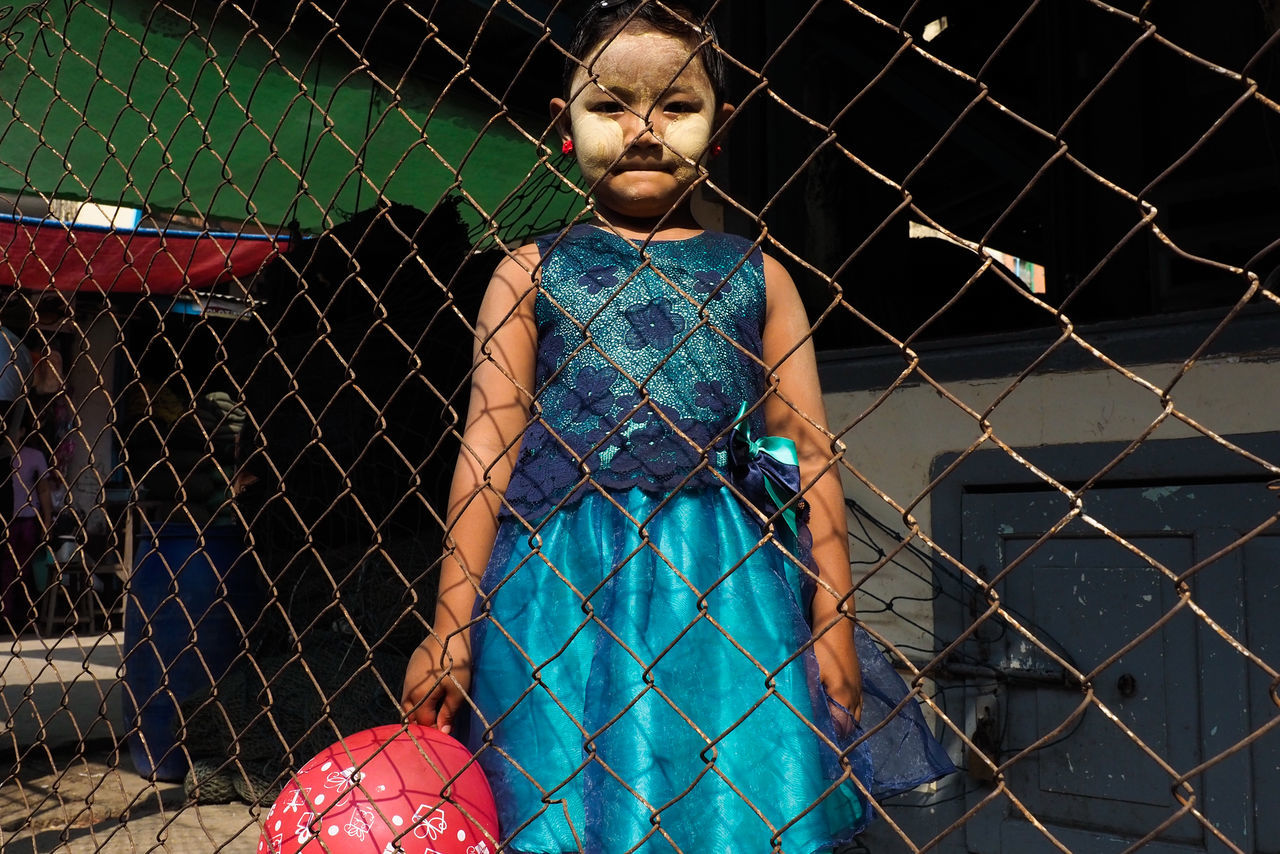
<point x="1173" y="679"/>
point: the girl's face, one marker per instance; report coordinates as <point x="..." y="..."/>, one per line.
<point x="640" y="126"/>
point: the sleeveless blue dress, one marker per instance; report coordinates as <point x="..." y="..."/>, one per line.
<point x="644" y="679"/>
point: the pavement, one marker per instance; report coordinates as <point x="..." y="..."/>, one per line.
<point x="69" y="786"/>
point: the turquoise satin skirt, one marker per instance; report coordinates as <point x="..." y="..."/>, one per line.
<point x="642" y="683"/>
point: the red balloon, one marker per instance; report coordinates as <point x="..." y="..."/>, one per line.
<point x="388" y="790"/>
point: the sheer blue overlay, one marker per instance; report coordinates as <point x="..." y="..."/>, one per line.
<point x="668" y="693"/>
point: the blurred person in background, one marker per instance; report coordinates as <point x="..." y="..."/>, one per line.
<point x="32" y="502"/>
<point x="15" y="365"/>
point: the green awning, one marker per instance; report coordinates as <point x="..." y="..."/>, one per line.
<point x="133" y="104"/>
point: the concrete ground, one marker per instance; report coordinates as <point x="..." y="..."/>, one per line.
<point x="66" y="788"/>
<point x="69" y="786"/>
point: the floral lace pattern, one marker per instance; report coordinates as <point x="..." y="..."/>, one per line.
<point x="644" y="355"/>
<point x="598" y="278"/>
<point x="653" y="324"/>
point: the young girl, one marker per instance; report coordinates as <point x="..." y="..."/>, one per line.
<point x="647" y="603"/>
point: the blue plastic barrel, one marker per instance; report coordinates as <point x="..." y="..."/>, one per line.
<point x="181" y="632"/>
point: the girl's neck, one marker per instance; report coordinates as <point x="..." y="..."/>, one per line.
<point x="675" y="225"/>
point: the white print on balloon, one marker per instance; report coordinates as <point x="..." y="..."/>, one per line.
<point x="431" y="826"/>
<point x="344" y="779"/>
<point x="276" y="844"/>
<point x="360" y="823"/>
<point x="304" y="828"/>
<point x="393" y="848"/>
<point x="297" y="799"/>
<point x="479" y="848"/>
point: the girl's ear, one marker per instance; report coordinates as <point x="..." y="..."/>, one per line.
<point x="722" y="115"/>
<point x="560" y="118"/>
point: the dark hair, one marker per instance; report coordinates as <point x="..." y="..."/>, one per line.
<point x="606" y="18"/>
<point x="16" y="312"/>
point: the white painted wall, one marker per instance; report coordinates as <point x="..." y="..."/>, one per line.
<point x="894" y="444"/>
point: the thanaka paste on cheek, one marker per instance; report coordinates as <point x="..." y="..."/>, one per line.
<point x="688" y="135"/>
<point x="597" y="141"/>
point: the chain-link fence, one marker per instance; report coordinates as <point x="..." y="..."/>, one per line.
<point x="245" y="246"/>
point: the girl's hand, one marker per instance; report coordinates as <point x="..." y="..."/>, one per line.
<point x="840" y="673"/>
<point x="436" y="683"/>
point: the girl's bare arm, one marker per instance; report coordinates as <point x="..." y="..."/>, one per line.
<point x="794" y="409"/>
<point x="439" y="672"/>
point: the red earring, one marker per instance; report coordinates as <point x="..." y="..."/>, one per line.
<point x="566" y="147"/>
<point x="716" y="150"/>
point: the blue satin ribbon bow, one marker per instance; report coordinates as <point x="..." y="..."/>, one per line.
<point x="767" y="472"/>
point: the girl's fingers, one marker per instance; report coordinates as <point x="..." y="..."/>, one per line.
<point x="443" y="716"/>
<point x="438" y="709"/>
<point x="433" y="695"/>
<point x="424" y="715"/>
<point x="423" y="711"/>
<point x="413" y="712"/>
<point x="449" y="708"/>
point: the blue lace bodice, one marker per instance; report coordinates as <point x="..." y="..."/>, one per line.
<point x="644" y="355"/>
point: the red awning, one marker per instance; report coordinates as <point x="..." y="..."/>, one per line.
<point x="39" y="254"/>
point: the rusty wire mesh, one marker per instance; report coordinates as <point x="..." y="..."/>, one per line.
<point x="1067" y="547"/>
